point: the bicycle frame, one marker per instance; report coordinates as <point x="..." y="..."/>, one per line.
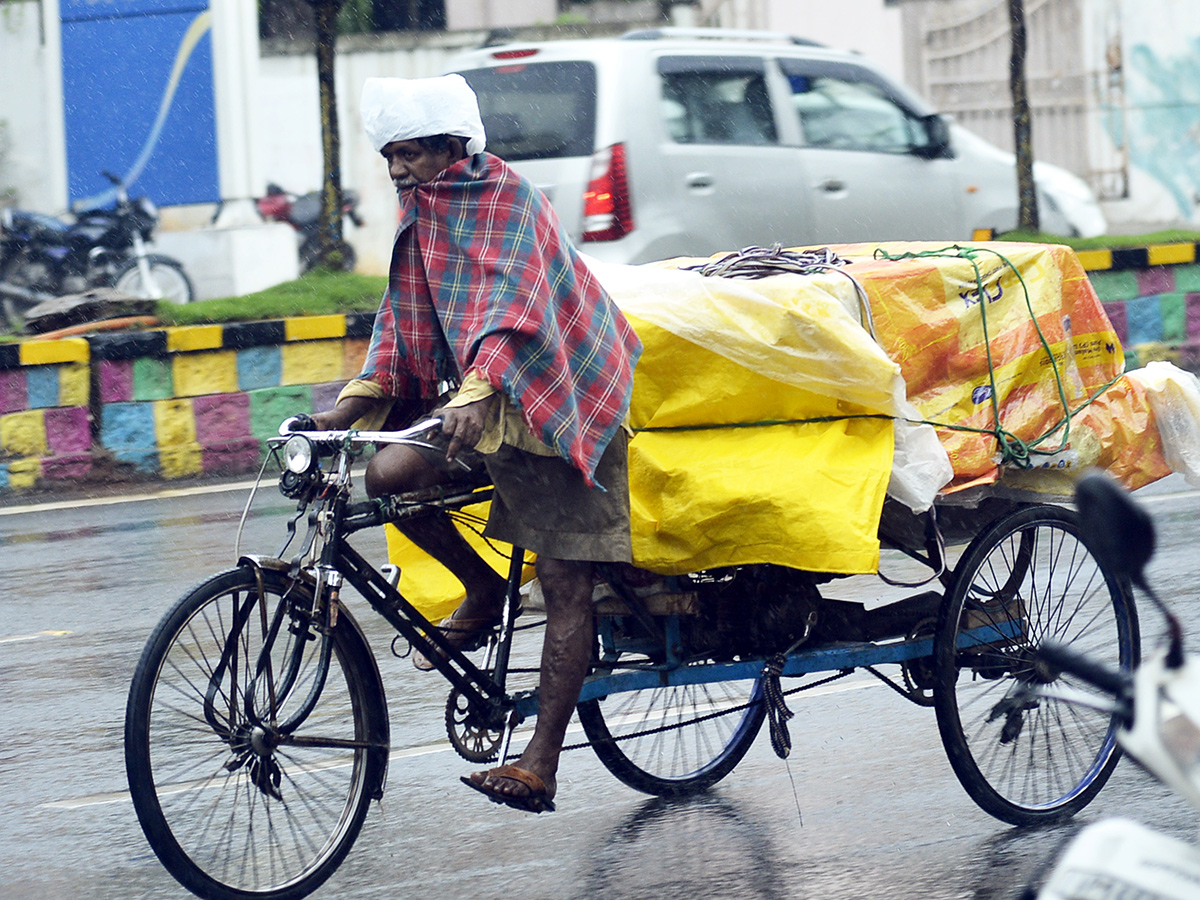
<point x="487" y="688"/>
<point x="332" y="518"/>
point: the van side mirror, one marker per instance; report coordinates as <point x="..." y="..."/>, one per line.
<point x="938" y="145"/>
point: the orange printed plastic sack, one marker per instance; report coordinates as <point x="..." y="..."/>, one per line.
<point x="996" y="342"/>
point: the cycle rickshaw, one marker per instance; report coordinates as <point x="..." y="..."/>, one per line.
<point x="257" y="731"/>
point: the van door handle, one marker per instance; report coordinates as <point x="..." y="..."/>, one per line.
<point x="699" y="180"/>
<point x="832" y="186"/>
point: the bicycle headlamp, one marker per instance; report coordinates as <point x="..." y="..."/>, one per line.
<point x="299" y="455"/>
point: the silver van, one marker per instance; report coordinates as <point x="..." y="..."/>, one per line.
<point x="675" y="142"/>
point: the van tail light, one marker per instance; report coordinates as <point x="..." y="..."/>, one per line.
<point x="607" y="214"/>
<point x="515" y="54"/>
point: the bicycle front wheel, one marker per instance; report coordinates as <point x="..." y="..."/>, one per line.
<point x="1026" y="580"/>
<point x="675" y="740"/>
<point x="252" y="751"/>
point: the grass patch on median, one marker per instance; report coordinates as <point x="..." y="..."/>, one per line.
<point x="1105" y="241"/>
<point x="317" y="293"/>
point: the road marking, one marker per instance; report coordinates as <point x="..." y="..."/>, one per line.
<point x="165" y="494"/>
<point x="123" y="796"/>
<point x="168" y="493"/>
<point x="32" y="637"/>
<point x="397" y="754"/>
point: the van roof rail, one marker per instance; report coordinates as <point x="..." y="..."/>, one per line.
<point x="654" y="34"/>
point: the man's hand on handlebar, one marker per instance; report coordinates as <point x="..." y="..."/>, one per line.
<point x="299" y="422"/>
<point x="463" y="425"/>
<point x="345" y="414"/>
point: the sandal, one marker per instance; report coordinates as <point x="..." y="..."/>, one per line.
<point x="539" y="799"/>
<point x="476" y="632"/>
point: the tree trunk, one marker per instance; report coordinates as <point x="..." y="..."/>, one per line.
<point x="290" y="19"/>
<point x="1027" y="215"/>
<point x="331" y="246"/>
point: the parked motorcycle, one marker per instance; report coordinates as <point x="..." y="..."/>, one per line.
<point x="303" y="213"/>
<point x="1158" y="706"/>
<point x="42" y="257"/>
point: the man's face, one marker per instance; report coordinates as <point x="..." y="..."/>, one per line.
<point x="410" y="164"/>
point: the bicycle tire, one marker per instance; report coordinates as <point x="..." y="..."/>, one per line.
<point x="1026" y="579"/>
<point x="667" y="741"/>
<point x="230" y="814"/>
<point x="172" y="282"/>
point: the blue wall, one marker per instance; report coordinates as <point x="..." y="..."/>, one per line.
<point x="138" y="99"/>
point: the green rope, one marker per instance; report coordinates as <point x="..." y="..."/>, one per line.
<point x="1013" y="449"/>
<point x="819" y="420"/>
<point x="764" y="423"/>
<point x="351" y="447"/>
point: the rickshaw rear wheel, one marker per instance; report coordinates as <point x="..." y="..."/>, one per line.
<point x="1026" y="579"/>
<point x="675" y="740"/>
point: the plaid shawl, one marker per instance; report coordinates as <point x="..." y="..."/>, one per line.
<point x="484" y="280"/>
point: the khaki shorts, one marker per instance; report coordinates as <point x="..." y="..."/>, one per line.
<point x="541" y="503"/>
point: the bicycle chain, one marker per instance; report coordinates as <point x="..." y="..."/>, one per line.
<point x="906" y="694"/>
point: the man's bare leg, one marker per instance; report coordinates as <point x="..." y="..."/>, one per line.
<point x="566" y="652"/>
<point x="395" y="469"/>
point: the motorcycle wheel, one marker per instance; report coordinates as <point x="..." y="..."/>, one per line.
<point x="168" y="275"/>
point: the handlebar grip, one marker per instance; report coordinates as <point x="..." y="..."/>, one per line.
<point x="1111" y="681"/>
<point x="302" y="422"/>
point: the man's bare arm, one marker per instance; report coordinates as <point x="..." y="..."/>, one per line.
<point x="345" y="414"/>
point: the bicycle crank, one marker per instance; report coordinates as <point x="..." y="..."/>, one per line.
<point x="471" y="734"/>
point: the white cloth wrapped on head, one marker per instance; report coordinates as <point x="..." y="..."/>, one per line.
<point x="402" y="109"/>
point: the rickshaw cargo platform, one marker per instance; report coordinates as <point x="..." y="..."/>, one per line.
<point x="773" y="414"/>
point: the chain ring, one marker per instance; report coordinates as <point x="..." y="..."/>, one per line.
<point x="472" y="740"/>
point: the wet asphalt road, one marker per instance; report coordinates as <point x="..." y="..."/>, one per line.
<point x="866" y="807"/>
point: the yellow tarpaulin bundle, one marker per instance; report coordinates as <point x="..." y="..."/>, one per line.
<point x="761" y="417"/>
<point x="730" y="470"/>
<point x="763" y="409"/>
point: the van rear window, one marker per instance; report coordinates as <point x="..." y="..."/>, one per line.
<point x="537" y="110"/>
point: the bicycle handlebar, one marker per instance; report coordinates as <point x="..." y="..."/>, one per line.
<point x="416" y="435"/>
<point x="304" y="424"/>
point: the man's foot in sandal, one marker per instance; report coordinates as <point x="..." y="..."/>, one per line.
<point x="463" y="634"/>
<point x="515" y="787"/>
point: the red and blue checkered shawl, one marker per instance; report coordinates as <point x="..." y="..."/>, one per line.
<point x="480" y="258"/>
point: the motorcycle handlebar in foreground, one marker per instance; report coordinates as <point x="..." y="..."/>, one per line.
<point x="1158" y="708"/>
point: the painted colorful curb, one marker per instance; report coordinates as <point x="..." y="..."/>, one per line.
<point x="170" y="402"/>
